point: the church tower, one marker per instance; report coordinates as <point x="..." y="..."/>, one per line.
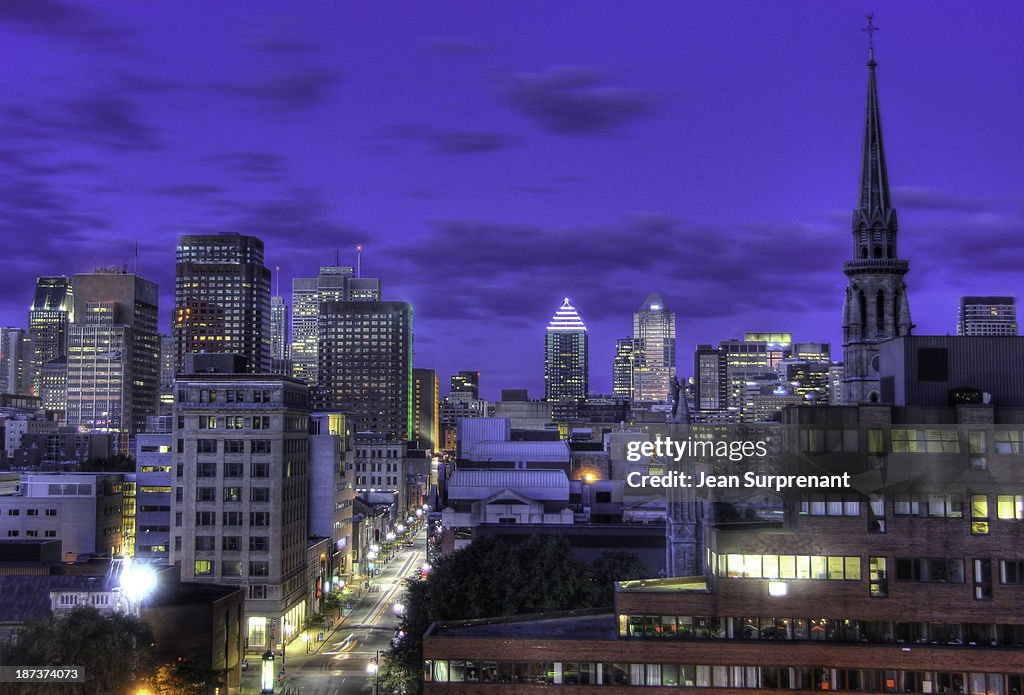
<point x="875" y="309"/>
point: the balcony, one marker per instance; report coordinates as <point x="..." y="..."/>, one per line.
<point x="875" y="265"/>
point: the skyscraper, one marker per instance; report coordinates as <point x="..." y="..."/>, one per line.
<point x="364" y="363"/>
<point x="710" y="379"/>
<point x="654" y="330"/>
<point x="875" y="308"/>
<point x="566" y="367"/>
<point x="335" y="283"/>
<point x="426" y="408"/>
<point x="278" y="328"/>
<point x="627" y="352"/>
<point x="52" y="310"/>
<point x="16" y="373"/>
<point x="222" y="298"/>
<point x="113" y="354"/>
<point x="987" y="316"/>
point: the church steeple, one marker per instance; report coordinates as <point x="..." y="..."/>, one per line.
<point x="874" y="204"/>
<point x="876" y="308"/>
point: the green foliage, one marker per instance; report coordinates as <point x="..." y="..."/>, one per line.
<point x="316" y="620"/>
<point x="610" y="567"/>
<point x="493" y="578"/>
<point x="184" y="678"/>
<point x="112" y="650"/>
<point x="331" y="601"/>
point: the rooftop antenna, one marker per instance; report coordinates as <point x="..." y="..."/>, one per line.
<point x="870" y="29"/>
<point x="359" y="260"/>
<point x="277" y="281"/>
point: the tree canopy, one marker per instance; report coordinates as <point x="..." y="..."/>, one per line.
<point x="493" y="578"/>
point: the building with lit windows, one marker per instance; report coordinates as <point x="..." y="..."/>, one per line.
<point x="628" y="351"/>
<point x="654" y="334"/>
<point x="909" y="581"/>
<point x="566" y="367"/>
<point x="222" y="298"/>
<point x="241" y="485"/>
<point x="154" y="463"/>
<point x="113" y="354"/>
<point x="81" y="510"/>
<point x="465" y="382"/>
<point x="278" y="328"/>
<point x="365" y="365"/>
<point x="17" y="376"/>
<point x="48" y="319"/>
<point x="987" y="316"/>
<point x="335" y="283"/>
<point x="426" y="409"/>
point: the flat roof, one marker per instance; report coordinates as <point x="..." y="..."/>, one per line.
<point x="579" y="624"/>
<point x="698" y="583"/>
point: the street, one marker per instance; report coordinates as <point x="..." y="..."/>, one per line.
<point x="338" y="664"/>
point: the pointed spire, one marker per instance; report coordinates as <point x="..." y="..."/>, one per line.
<point x="874" y="204"/>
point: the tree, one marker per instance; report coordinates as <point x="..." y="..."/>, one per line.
<point x="610" y="567"/>
<point x="491" y="578"/>
<point x="112" y="650"/>
<point x="184" y="677"/>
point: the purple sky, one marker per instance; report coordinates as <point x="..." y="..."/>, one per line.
<point x="496" y="157"/>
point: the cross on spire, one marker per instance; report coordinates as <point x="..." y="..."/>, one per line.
<point x="871" y="29"/>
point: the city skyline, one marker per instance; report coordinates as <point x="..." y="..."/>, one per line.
<point x="520" y="163"/>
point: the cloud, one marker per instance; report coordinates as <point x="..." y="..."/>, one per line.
<point x="100" y="119"/>
<point x="253" y="166"/>
<point x="190" y="190"/>
<point x="924" y="198"/>
<point x="453" y="141"/>
<point x="58" y="19"/>
<point x="509" y="273"/>
<point x="577" y="100"/>
<point x="293" y="91"/>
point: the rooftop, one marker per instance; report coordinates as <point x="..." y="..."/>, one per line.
<point x="595" y="623"/>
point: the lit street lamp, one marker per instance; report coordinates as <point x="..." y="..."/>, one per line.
<point x="373" y="670"/>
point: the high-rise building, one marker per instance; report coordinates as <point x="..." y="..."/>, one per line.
<point x="168" y="370"/>
<point x="566" y="369"/>
<point x="16" y="363"/>
<point x="113" y="354"/>
<point x="335" y="283"/>
<point x="364" y="365"/>
<point x="241" y="487"/>
<point x="222" y="298"/>
<point x="426" y="408"/>
<point x="875" y="308"/>
<point x="987" y="316"/>
<point x="278" y="328"/>
<point x="710" y="379"/>
<point x="52" y="310"/>
<point x="627" y="352"/>
<point x="465" y="382"/>
<point x="53" y="385"/>
<point x="654" y="330"/>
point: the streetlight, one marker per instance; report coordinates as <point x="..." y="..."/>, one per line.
<point x="373" y="670"/>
